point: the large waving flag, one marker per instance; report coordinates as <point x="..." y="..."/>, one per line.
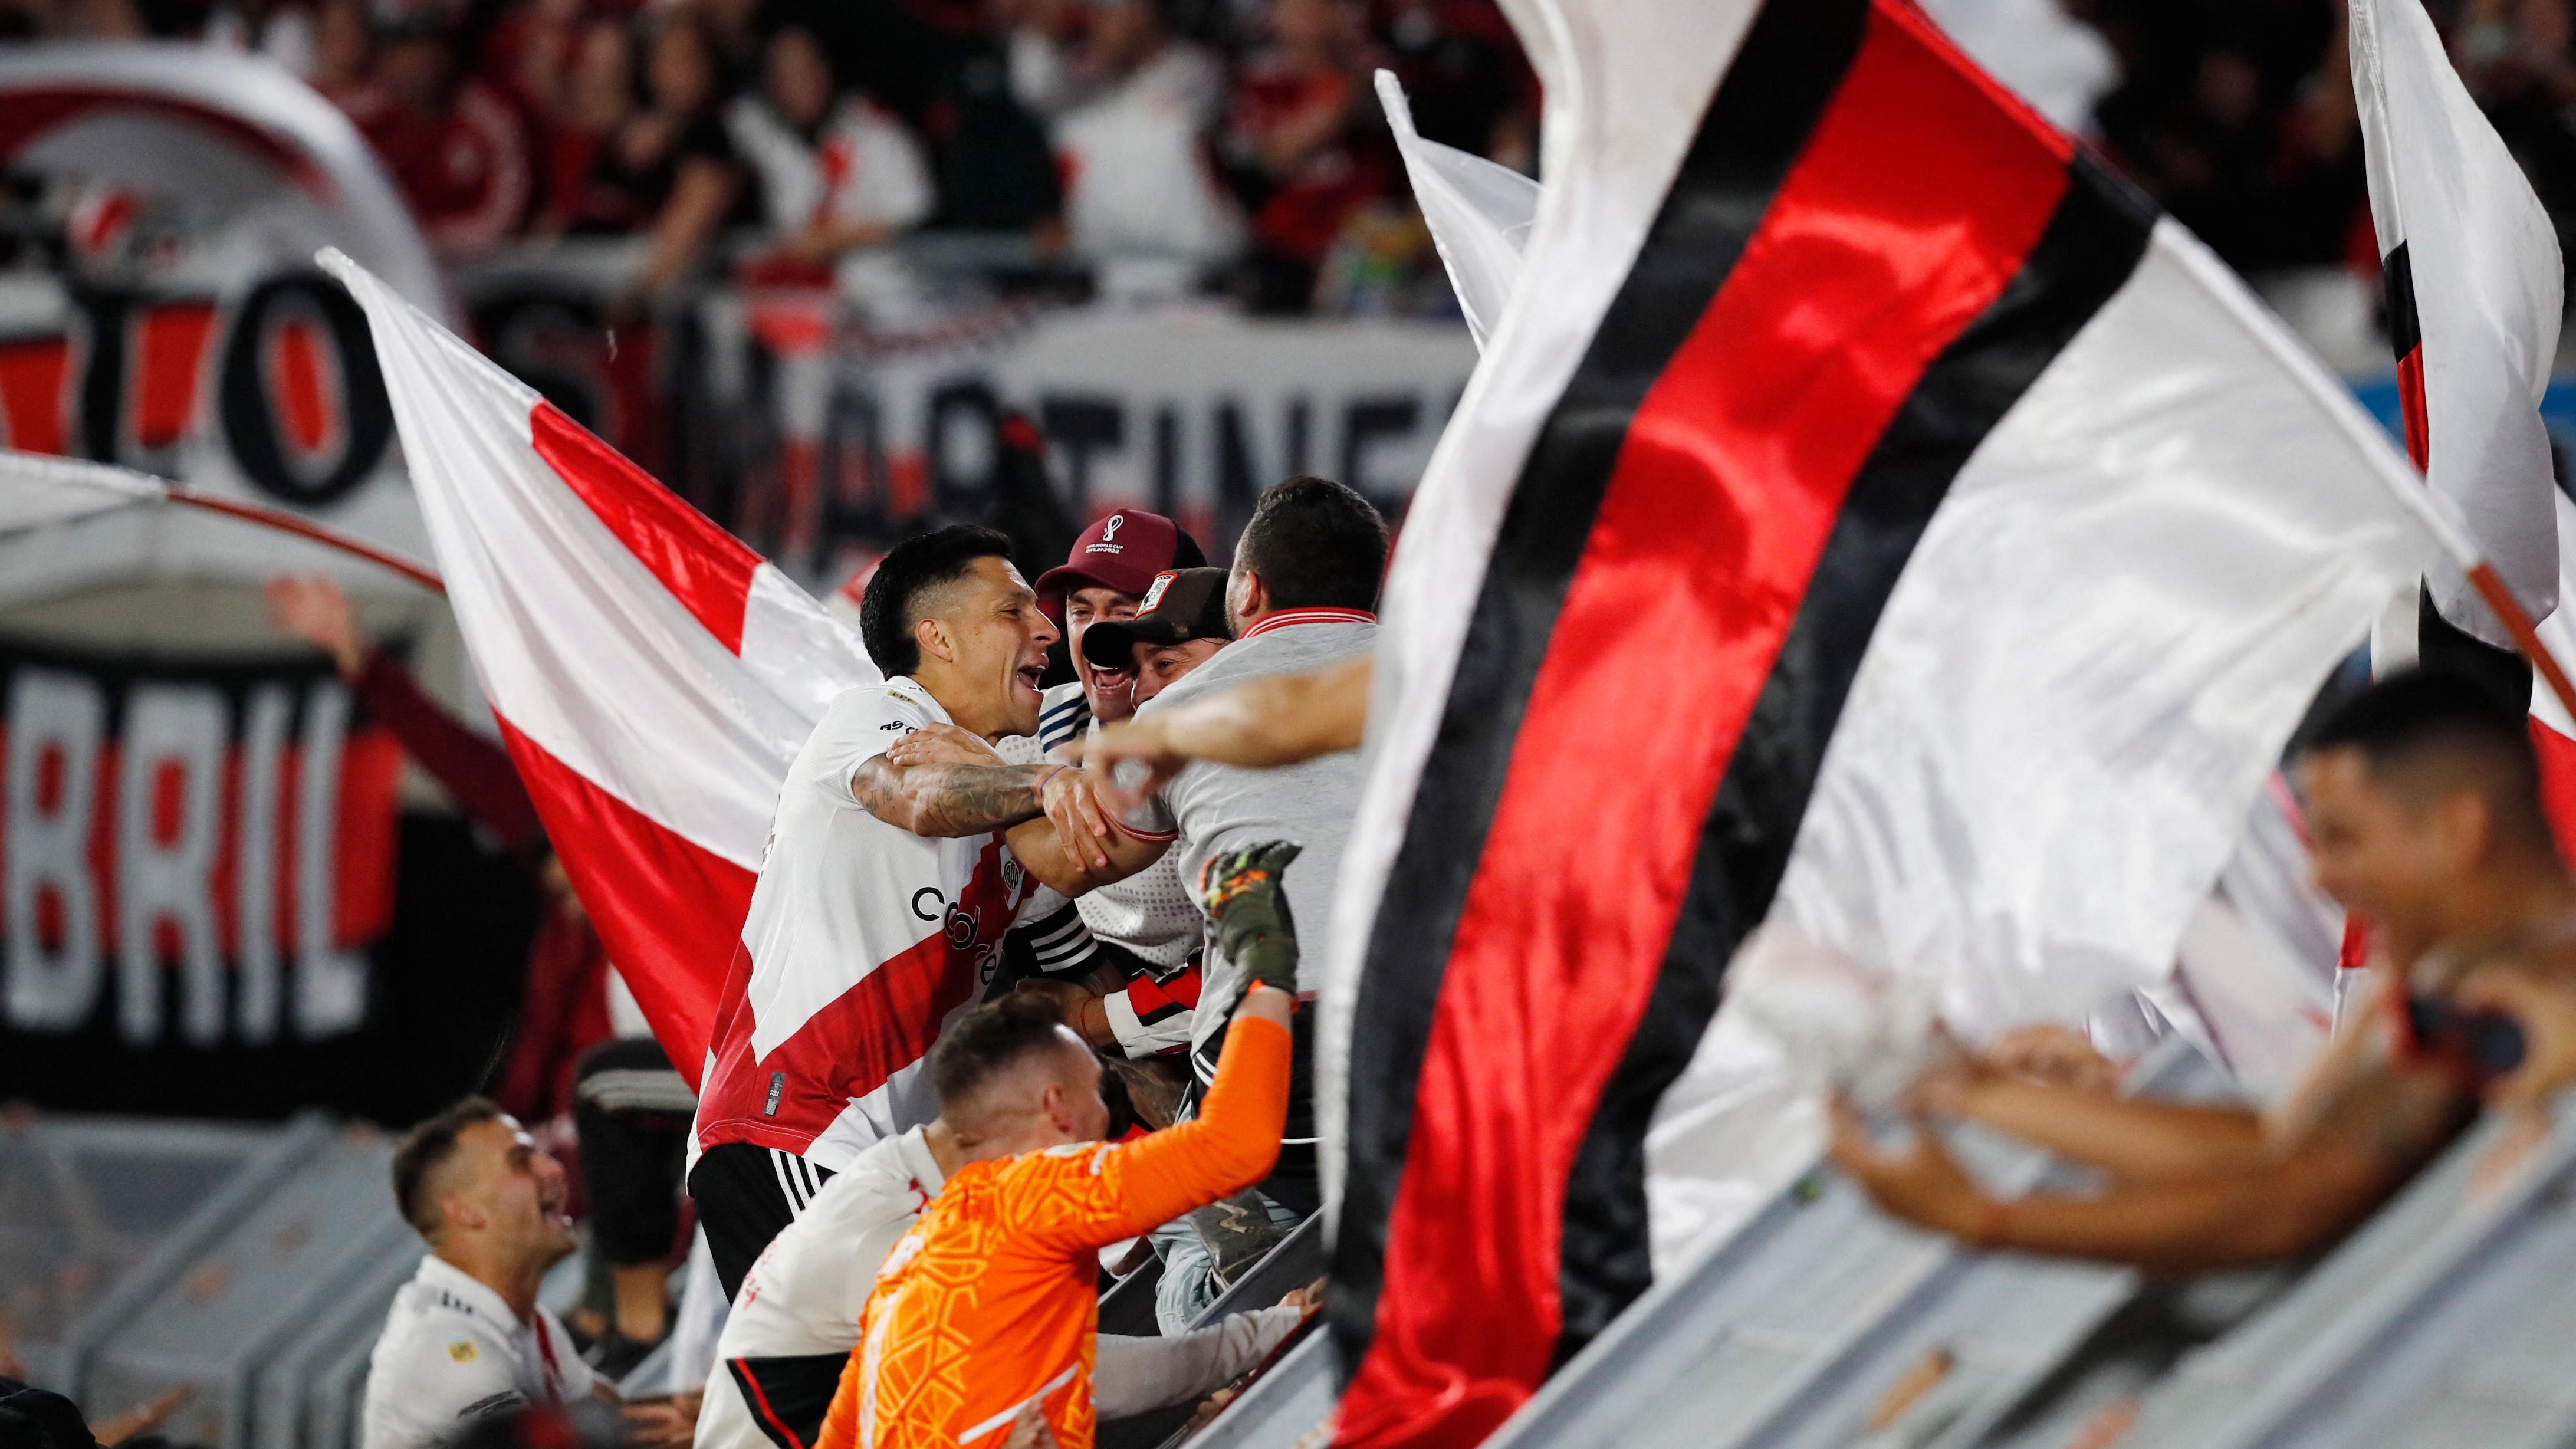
<point x="1868" y="516"/>
<point x="2471" y="267"/>
<point x="652" y="677"/>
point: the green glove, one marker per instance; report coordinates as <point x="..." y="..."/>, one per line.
<point x="1249" y="909"/>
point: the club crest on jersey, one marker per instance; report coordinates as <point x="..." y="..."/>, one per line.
<point x="1154" y="593"/>
<point x="1010" y="875"/>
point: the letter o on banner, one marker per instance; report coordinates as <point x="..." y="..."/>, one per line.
<point x="303" y="405"/>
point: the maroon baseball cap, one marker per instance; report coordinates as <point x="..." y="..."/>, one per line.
<point x="1123" y="551"/>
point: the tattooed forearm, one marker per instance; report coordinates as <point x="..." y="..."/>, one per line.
<point x="949" y="800"/>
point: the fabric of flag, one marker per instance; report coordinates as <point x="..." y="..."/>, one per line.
<point x="1868" y="516"/>
<point x="1479" y="212"/>
<point x="2470" y="264"/>
<point x="652" y="676"/>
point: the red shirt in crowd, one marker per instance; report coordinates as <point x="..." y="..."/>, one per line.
<point x="1307" y="209"/>
<point x="466" y="172"/>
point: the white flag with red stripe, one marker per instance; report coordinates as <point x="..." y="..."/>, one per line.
<point x="652" y="676"/>
<point x="2474" y="295"/>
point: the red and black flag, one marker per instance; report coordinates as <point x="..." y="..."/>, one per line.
<point x="1868" y="517"/>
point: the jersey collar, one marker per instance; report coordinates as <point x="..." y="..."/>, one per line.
<point x="468" y="1290"/>
<point x="1290" y="618"/>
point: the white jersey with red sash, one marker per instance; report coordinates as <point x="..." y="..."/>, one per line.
<point x="863" y="939"/>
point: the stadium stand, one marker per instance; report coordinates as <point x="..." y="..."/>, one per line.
<point x="251" y="1263"/>
<point x="2442" y="1320"/>
<point x="96" y="1213"/>
<point x="290" y="1255"/>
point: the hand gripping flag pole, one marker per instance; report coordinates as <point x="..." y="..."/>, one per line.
<point x="82" y="488"/>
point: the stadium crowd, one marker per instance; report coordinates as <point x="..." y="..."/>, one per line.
<point x="1237" y="139"/>
<point x="1238" y="142"/>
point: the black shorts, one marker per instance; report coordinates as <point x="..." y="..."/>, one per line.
<point x="745" y="1194"/>
<point x="631" y="1114"/>
<point x="1295" y="1183"/>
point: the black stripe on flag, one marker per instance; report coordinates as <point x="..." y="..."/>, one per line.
<point x="2397" y="280"/>
<point x="2091" y="246"/>
<point x="1783" y="78"/>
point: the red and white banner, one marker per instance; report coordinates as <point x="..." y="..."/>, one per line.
<point x="202" y="852"/>
<point x="652" y="676"/>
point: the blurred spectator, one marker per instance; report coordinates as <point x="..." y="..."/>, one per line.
<point x="457" y="151"/>
<point x="1464" y="75"/>
<point x="996" y="168"/>
<point x="597" y="101"/>
<point x="836" y="172"/>
<point x="668" y="169"/>
<point x="278" y="29"/>
<point x="2239" y="119"/>
<point x="344" y="47"/>
<point x="531" y="53"/>
<point x="1133" y="151"/>
<point x="1296" y="147"/>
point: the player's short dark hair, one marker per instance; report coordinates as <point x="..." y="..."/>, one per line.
<point x="2426" y="732"/>
<point x="425" y="1149"/>
<point x="989" y="1040"/>
<point x="891" y="605"/>
<point x="1316" y="545"/>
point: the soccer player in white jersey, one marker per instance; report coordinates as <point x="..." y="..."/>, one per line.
<point x="466" y="1337"/>
<point x="876" y="917"/>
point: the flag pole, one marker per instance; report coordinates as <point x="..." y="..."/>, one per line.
<point x="2434" y="512"/>
<point x="135" y="487"/>
<point x="323" y="534"/>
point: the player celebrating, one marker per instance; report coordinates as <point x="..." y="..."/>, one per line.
<point x="874" y="919"/>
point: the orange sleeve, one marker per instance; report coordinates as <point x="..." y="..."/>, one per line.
<point x="1228" y="1147"/>
<point x="841" y="1421"/>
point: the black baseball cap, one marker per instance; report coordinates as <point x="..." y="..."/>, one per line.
<point x="1179" y="605"/>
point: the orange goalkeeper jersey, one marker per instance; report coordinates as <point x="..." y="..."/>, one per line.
<point x="992" y="1301"/>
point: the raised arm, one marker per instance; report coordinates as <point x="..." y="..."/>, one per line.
<point x="949" y="800"/>
<point x="2289" y="1203"/>
<point x="2131" y="1139"/>
<point x="1083" y="844"/>
<point x="943" y="781"/>
<point x="1259" y="724"/>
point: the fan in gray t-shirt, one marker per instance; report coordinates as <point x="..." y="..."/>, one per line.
<point x="1208" y="809"/>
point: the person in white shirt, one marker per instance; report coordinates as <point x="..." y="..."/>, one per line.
<point x="791" y="1328"/>
<point x="1133" y="151"/>
<point x="877" y="915"/>
<point x="466" y="1337"/>
<point x="835" y="175"/>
